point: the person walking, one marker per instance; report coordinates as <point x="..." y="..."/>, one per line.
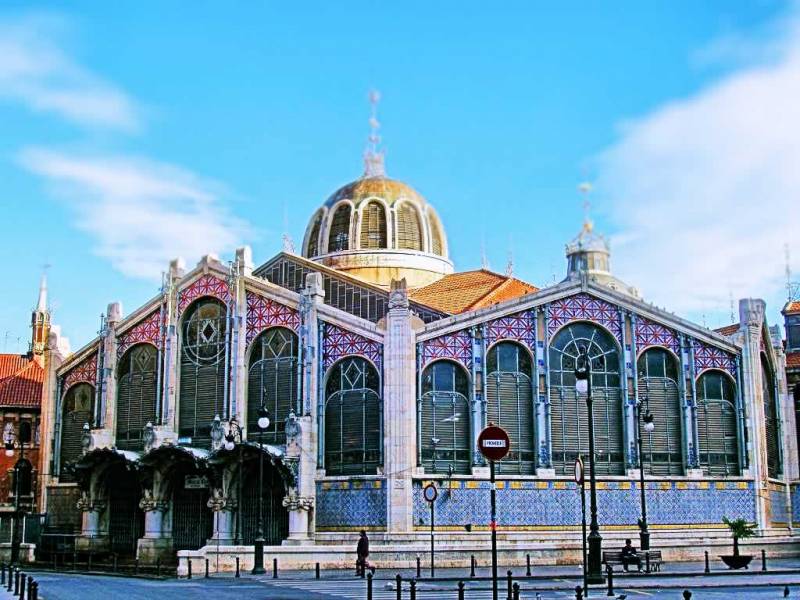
<point x="362" y="554"/>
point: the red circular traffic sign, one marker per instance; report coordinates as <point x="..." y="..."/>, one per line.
<point x="579" y="471"/>
<point x="493" y="442"/>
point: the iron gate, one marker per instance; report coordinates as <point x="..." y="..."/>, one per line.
<point x="276" y="517"/>
<point x="192" y="522"/>
<point x="126" y="519"/>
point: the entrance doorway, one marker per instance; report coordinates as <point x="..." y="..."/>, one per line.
<point x="126" y="519"/>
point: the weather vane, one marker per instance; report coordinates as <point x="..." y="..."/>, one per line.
<point x="373" y="157"/>
<point x="585" y="189"/>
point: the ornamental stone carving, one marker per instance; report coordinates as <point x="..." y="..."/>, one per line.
<point x="294" y="502"/>
<point x="149" y="503"/>
<point x="148" y="437"/>
<point x="217" y="433"/>
<point x="398" y="294"/>
<point x="292" y="427"/>
<point x="219" y="501"/>
<point x="87" y="504"/>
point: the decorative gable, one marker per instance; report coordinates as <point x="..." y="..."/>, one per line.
<point x="650" y="333"/>
<point x="583" y="307"/>
<point x="263" y="313"/>
<point x="147" y="330"/>
<point x="338" y="343"/>
<point x="84" y="372"/>
<point x="206" y="285"/>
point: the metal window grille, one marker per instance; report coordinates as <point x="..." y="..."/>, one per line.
<point x="313" y="236"/>
<point x="125" y="518"/>
<point x="771" y="420"/>
<point x="353" y="415"/>
<point x="136" y="395"/>
<point x="509" y="404"/>
<point x="658" y="392"/>
<point x="275" y="516"/>
<point x="444" y="419"/>
<point x="569" y="413"/>
<point x="78" y="408"/>
<point x="718" y="445"/>
<point x="437" y="246"/>
<point x="339" y="236"/>
<point x="409" y="230"/>
<point x="272" y="381"/>
<point x="373" y="226"/>
<point x="202" y="382"/>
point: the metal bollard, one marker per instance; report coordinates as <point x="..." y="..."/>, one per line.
<point x="316" y="570"/>
<point x="763" y="560"/>
<point x="274" y="568"/>
<point x="516" y="592"/>
<point x="687" y="594"/>
<point x="578" y="592"/>
<point x="189" y="573"/>
<point x="206" y="568"/>
<point x="472" y="565"/>
<point x="418" y="565"/>
<point x="708" y="569"/>
<point x="10" y="577"/>
<point x="114" y="568"/>
<point x="460" y="590"/>
<point x="369" y="586"/>
<point x="786" y="591"/>
<point x="647" y="561"/>
<point x="22" y="584"/>
<point x="399" y="581"/>
<point x="509" y="584"/>
<point x="136" y="566"/>
<point x="610" y="573"/>
<point x="30" y="587"/>
<point x="237" y="568"/>
<point x="16" y="582"/>
<point x="413" y="591"/>
<point x="35" y="591"/>
<point x="88" y="562"/>
<point x="528" y="562"/>
<point x="158" y="568"/>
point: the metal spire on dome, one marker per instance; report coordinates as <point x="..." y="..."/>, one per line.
<point x="585" y="189"/>
<point x="374" y="165"/>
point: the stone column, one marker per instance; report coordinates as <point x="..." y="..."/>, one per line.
<point x="243" y="266"/>
<point x="171" y="353"/>
<point x="751" y="315"/>
<point x="399" y="415"/>
<point x="94" y="529"/>
<point x="224" y="510"/>
<point x="157" y="542"/>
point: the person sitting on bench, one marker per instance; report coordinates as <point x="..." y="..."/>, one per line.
<point x="630" y="557"/>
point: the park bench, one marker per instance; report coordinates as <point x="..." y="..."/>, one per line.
<point x="611" y="558"/>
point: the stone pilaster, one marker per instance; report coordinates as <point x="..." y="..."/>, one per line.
<point x="171" y="351"/>
<point x="751" y="315"/>
<point x="94" y="525"/>
<point x="157" y="540"/>
<point x="223" y="507"/>
<point x="57" y="351"/>
<point x="242" y="266"/>
<point x="399" y="415"/>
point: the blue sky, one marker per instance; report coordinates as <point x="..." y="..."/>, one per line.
<point x="136" y="132"/>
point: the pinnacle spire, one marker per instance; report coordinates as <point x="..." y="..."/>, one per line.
<point x="41" y="305"/>
<point x="374" y="165"/>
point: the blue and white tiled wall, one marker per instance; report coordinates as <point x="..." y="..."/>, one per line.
<point x="351" y="505"/>
<point x="543" y="504"/>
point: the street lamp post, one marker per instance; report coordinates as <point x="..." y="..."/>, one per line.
<point x="258" y="558"/>
<point x="649" y="426"/>
<point x="583" y="384"/>
<point x="233" y="438"/>
<point x="24" y="436"/>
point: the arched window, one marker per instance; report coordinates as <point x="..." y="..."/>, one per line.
<point x="136" y="395"/>
<point x="272" y="381"/>
<point x="409" y="232"/>
<point x="373" y="226"/>
<point x="352" y="418"/>
<point x="76" y="411"/>
<point x="509" y="404"/>
<point x="313" y="237"/>
<point x="202" y="375"/>
<point x="339" y="236"/>
<point x="658" y="392"/>
<point x="444" y="419"/>
<point x="771" y="419"/>
<point x="437" y="243"/>
<point x="568" y="411"/>
<point x="716" y="424"/>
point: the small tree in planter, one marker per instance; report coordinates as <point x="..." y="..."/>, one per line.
<point x="740" y="529"/>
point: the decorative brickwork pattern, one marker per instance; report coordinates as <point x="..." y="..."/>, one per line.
<point x="338" y="343"/>
<point x="583" y="307"/>
<point x="263" y="313"/>
<point x="454" y="346"/>
<point x="796" y="504"/>
<point x="85" y="372"/>
<point x="207" y="285"/>
<point x="520" y="327"/>
<point x="709" y="357"/>
<point x="650" y="333"/>
<point x="556" y="503"/>
<point x="352" y="504"/>
<point x="147" y="330"/>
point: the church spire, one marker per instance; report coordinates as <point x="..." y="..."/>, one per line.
<point x="374" y="165"/>
<point x="40" y="318"/>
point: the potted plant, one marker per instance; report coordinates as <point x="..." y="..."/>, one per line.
<point x="739" y="529"/>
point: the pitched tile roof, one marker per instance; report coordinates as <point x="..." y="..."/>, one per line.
<point x="791" y="308"/>
<point x="728" y="329"/>
<point x="470" y="290"/>
<point x="793" y="360"/>
<point x="21" y="380"/>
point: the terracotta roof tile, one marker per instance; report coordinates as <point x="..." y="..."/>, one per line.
<point x="728" y="329"/>
<point x="792" y="308"/>
<point x="470" y="290"/>
<point x="21" y="380"/>
<point x="793" y="360"/>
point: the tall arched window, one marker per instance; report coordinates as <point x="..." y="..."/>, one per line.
<point x="796" y="396"/>
<point x="437" y="243"/>
<point x="509" y="404"/>
<point x="313" y="237"/>
<point x="409" y="231"/>
<point x="136" y="395"/>
<point x="771" y="419"/>
<point x="76" y="411"/>
<point x="716" y="424"/>
<point x="444" y="419"/>
<point x="373" y="226"/>
<point x="568" y="411"/>
<point x="272" y="381"/>
<point x="658" y="392"/>
<point x="202" y="391"/>
<point x="353" y="415"/>
<point x="339" y="236"/>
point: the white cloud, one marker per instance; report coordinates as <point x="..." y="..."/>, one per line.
<point x="142" y="213"/>
<point x="706" y="190"/>
<point x="36" y="72"/>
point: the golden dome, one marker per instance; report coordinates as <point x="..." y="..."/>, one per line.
<point x="388" y="190"/>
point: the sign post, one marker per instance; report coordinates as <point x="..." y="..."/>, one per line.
<point x="493" y="443"/>
<point x="579" y="479"/>
<point x="430" y="493"/>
